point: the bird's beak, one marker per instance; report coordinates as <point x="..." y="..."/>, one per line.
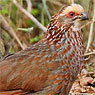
<point x="84" y="16"/>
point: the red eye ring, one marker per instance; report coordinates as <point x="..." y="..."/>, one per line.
<point x="71" y="14"/>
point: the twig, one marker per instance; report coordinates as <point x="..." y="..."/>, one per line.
<point x="90" y="53"/>
<point x="26" y="29"/>
<point x="72" y="1"/>
<point x="55" y="2"/>
<point x="91" y="30"/>
<point x="46" y="9"/>
<point x="4" y="25"/>
<point x="29" y="5"/>
<point x="30" y="16"/>
<point x="89" y="22"/>
<point x="2" y="47"/>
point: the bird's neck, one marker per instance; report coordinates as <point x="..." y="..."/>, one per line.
<point x="60" y="34"/>
<point x="56" y="32"/>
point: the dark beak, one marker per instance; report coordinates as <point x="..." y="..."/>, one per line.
<point x="84" y="16"/>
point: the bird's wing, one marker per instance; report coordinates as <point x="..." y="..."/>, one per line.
<point x="26" y="68"/>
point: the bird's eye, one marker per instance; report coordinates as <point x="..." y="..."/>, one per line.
<point x="71" y="14"/>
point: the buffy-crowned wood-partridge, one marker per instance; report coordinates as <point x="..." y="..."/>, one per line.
<point x="50" y="66"/>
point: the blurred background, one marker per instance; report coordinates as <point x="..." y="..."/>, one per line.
<point x="18" y="29"/>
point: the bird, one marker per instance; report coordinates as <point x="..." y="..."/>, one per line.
<point x="50" y="66"/>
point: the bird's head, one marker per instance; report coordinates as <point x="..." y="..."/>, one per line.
<point x="71" y="14"/>
<point x="67" y="18"/>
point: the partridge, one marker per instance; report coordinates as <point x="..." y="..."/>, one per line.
<point x="50" y="66"/>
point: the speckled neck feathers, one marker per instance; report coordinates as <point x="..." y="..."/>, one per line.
<point x="56" y="31"/>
